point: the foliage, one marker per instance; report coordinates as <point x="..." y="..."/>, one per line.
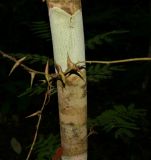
<point x="97" y="72"/>
<point x="45" y="147"/>
<point x="42" y="30"/>
<point x="122" y="120"/>
<point x="99" y="39"/>
<point x="37" y="90"/>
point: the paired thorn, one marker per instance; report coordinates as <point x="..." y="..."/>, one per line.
<point x="74" y="68"/>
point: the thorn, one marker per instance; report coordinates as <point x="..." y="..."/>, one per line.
<point x="70" y="64"/>
<point x="34" y="114"/>
<point x="60" y="73"/>
<point x="18" y="62"/>
<point x="73" y="68"/>
<point x="79" y="73"/>
<point x="32" y="74"/>
<point x="47" y="71"/>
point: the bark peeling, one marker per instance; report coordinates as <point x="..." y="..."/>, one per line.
<point x="69" y="6"/>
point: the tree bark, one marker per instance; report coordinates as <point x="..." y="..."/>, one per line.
<point x="68" y="46"/>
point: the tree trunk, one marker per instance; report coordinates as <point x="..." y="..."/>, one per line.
<point x="68" y="46"/>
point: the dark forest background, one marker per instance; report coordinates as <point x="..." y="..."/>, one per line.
<point x="119" y="96"/>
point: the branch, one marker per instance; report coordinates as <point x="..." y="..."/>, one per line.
<point x="120" y="61"/>
<point x="46" y="98"/>
<point x="39" y="114"/>
<point x="22" y="65"/>
<point x="28" y="69"/>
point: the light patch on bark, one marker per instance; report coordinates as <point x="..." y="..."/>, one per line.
<point x="67" y="35"/>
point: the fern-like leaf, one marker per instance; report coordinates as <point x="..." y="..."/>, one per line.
<point x="101" y="38"/>
<point x="97" y="72"/>
<point x="37" y="90"/>
<point x="42" y="30"/>
<point x="124" y="120"/>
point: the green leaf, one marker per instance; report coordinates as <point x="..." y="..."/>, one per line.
<point x="97" y="72"/>
<point x="101" y="38"/>
<point x="42" y="30"/>
<point x="123" y="132"/>
<point x="122" y="120"/>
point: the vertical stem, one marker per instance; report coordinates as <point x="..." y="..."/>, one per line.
<point x="68" y="40"/>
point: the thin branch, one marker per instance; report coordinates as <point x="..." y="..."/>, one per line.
<point x="90" y="62"/>
<point x="28" y="69"/>
<point x="54" y="76"/>
<point x="22" y="65"/>
<point x="38" y="123"/>
<point x="120" y="61"/>
<point x="45" y="102"/>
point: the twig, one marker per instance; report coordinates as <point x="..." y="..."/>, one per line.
<point x="47" y="96"/>
<point x="22" y="65"/>
<point x="28" y="69"/>
<point x="120" y="61"/>
<point x="38" y="123"/>
<point x="45" y="102"/>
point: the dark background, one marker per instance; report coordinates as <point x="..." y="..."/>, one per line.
<point x="128" y="86"/>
